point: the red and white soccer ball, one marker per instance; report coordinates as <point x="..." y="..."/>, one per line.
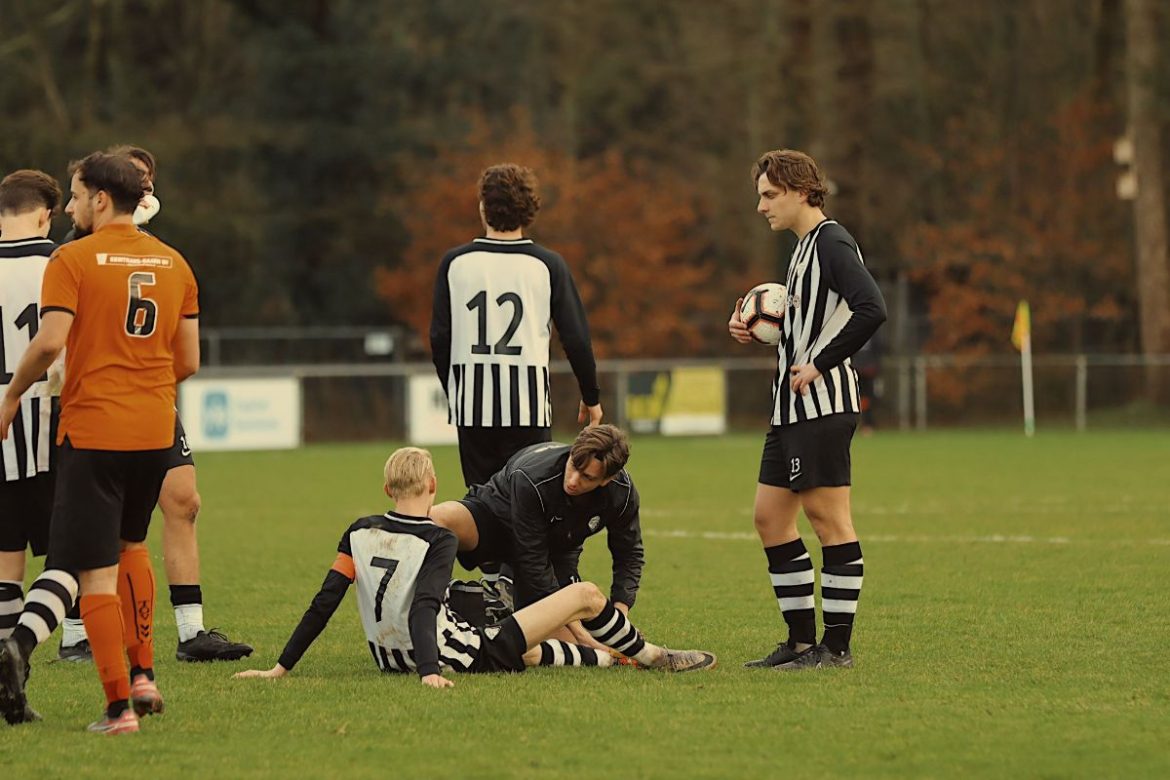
<point x="763" y="311"/>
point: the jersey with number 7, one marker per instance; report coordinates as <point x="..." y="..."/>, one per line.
<point x="127" y="291"/>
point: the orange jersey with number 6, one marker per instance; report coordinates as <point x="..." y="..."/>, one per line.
<point x="127" y="291"/>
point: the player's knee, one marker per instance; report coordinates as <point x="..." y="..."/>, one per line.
<point x="768" y="522"/>
<point x="761" y="520"/>
<point x="830" y="526"/>
<point x="590" y="597"/>
<point x="444" y="515"/>
<point x="183" y="505"/>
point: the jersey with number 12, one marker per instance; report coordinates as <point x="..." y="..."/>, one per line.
<point x="127" y="291"/>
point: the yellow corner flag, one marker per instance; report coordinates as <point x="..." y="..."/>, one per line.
<point x="1022" y="329"/>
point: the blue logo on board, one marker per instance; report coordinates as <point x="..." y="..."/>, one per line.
<point x="215" y="415"/>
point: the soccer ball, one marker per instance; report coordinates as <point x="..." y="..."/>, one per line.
<point x="763" y="311"/>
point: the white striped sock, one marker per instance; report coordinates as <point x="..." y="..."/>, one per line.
<point x="49" y="598"/>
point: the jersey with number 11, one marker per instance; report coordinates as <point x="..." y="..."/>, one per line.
<point x="128" y="292"/>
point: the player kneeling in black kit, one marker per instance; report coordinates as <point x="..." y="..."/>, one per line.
<point x="402" y="563"/>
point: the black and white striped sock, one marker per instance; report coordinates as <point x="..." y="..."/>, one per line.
<point x="614" y="629"/>
<point x="11" y="602"/>
<point x="841" y="577"/>
<point x="49" y="598"/>
<point x="554" y="652"/>
<point x="793" y="582"/>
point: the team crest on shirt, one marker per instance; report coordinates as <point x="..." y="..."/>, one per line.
<point x="594" y="523"/>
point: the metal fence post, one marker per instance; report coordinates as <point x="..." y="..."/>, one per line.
<point x="1082" y="391"/>
<point x="905" y="390"/>
<point x="621" y="392"/>
<point x="920" y="392"/>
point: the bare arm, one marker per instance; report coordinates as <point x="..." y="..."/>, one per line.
<point x="41" y="353"/>
<point x="186" y="348"/>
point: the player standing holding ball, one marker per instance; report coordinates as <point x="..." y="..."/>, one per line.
<point x="833" y="308"/>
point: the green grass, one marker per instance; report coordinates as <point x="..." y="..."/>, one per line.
<point x="1014" y="622"/>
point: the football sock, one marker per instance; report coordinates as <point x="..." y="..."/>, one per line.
<point x="11" y="602"/>
<point x="792" y="575"/>
<point x="73" y="629"/>
<point x="841" y="577"/>
<point x="613" y="629"/>
<point x="49" y="597"/>
<point x="188" y="603"/>
<point x="103" y="623"/>
<point x="554" y="652"/>
<point x="136" y="590"/>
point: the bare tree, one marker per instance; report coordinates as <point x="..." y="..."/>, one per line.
<point x="1153" y="276"/>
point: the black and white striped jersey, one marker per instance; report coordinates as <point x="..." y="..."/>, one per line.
<point x="402" y="567"/>
<point x="528" y="496"/>
<point x="29" y="449"/>
<point x="494" y="304"/>
<point x="834" y="306"/>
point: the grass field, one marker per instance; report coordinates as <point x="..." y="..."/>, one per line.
<point x="1014" y="622"/>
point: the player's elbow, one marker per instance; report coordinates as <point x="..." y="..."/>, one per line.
<point x="186" y="366"/>
<point x="580" y="348"/>
<point x="48" y="348"/>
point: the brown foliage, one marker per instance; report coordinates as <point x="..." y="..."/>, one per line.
<point x="1038" y="224"/>
<point x="629" y="233"/>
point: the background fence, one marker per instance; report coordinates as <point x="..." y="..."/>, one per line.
<point x="354" y="388"/>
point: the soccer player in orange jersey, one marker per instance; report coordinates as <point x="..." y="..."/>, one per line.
<point x="125" y="307"/>
<point x="179" y="503"/>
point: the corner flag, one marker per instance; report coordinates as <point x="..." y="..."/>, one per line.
<point x="1022" y="339"/>
<point x="1022" y="328"/>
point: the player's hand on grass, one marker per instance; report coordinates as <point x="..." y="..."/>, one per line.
<point x="438" y="681"/>
<point x="736" y="327"/>
<point x="803" y="376"/>
<point x="266" y="674"/>
<point x="591" y="413"/>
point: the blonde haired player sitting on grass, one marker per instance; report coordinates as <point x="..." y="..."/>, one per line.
<point x="402" y="563"/>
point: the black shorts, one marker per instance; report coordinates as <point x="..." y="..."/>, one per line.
<point x="102" y="498"/>
<point x="496" y="545"/>
<point x="502" y="649"/>
<point x="484" y="451"/>
<point x="180" y="452"/>
<point x="495" y="538"/>
<point x="809" y="454"/>
<point x="564" y="569"/>
<point x="25" y="508"/>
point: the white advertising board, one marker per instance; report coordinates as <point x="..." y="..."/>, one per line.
<point x="241" y="414"/>
<point x="427" y="411"/>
